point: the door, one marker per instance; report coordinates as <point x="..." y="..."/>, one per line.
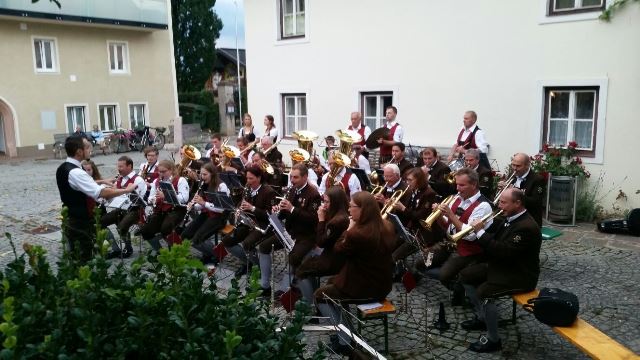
<point x="3" y="147"/>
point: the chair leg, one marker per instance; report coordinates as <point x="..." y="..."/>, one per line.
<point x="513" y="312"/>
<point x="386" y="334"/>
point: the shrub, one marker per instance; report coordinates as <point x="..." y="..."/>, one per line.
<point x="167" y="307"/>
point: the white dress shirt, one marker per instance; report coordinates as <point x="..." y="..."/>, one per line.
<point x="80" y="180"/>
<point x="363" y="164"/>
<point x="367" y="130"/>
<point x="354" y="183"/>
<point x="141" y="185"/>
<point x="481" y="142"/>
<point x="273" y="133"/>
<point x="480" y="211"/>
<point x="183" y="190"/>
<point x="210" y="206"/>
<point x="150" y="169"/>
<point x="399" y="134"/>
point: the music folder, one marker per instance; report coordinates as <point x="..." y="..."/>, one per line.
<point x="362" y="176"/>
<point x="400" y="229"/>
<point x="170" y="195"/>
<point x="220" y="200"/>
<point x="236" y="162"/>
<point x="281" y="232"/>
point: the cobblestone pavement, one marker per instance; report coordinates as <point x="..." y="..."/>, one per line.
<point x="602" y="270"/>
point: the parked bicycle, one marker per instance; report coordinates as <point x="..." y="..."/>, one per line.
<point x="143" y="137"/>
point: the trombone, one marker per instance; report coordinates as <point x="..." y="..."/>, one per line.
<point x="507" y="185"/>
<point x="464" y="232"/>
<point x="435" y="215"/>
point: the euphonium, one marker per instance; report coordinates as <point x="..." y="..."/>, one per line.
<point x="305" y="139"/>
<point x="340" y="161"/>
<point x="228" y="152"/>
<point x="464" y="232"/>
<point x="347" y="139"/>
<point x="392" y="201"/>
<point x="190" y="153"/>
<point x="435" y="215"/>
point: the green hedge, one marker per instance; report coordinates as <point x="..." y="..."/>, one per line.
<point x="204" y="98"/>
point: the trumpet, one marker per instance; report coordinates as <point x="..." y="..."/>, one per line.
<point x="435" y="215"/>
<point x="508" y="184"/>
<point x="391" y="202"/>
<point x="377" y="189"/>
<point x="455" y="166"/>
<point x="464" y="232"/>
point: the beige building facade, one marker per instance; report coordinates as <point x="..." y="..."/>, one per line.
<point x="82" y="67"/>
<point x="535" y="71"/>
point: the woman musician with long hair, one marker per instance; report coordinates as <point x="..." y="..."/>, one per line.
<point x="366" y="274"/>
<point x="257" y="200"/>
<point x="211" y="219"/>
<point x="333" y="220"/>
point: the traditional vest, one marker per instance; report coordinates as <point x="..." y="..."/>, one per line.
<point x="470" y="143"/>
<point x="80" y="205"/>
<point x="467" y="248"/>
<point x="385" y="150"/>
<point x="129" y="182"/>
<point x="360" y="131"/>
<point x="344" y="181"/>
<point x="163" y="206"/>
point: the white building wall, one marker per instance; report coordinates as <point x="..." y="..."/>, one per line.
<point x="441" y="58"/>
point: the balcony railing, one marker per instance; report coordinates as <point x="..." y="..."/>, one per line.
<point x="137" y="13"/>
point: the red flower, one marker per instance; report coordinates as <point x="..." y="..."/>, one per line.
<point x="555" y="152"/>
<point x="537" y="158"/>
<point x="545" y="175"/>
<point x="572" y="145"/>
<point x="578" y="160"/>
<point x="545" y="148"/>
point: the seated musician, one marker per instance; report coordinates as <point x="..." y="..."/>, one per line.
<point x="149" y="169"/>
<point x="359" y="161"/>
<point x="366" y="274"/>
<point x="312" y="177"/>
<point x="211" y="219"/>
<point x="397" y="154"/>
<point x="257" y="200"/>
<point x="124" y="219"/>
<point x="485" y="176"/>
<point x="331" y="145"/>
<point x="298" y="209"/>
<point x="333" y="220"/>
<point x="272" y="154"/>
<point x="393" y="182"/>
<point x="533" y="185"/>
<point x="512" y="249"/>
<point x="467" y="206"/>
<point x="344" y="178"/>
<point x="413" y="207"/>
<point x="213" y="148"/>
<point x="166" y="217"/>
<point x="243" y="143"/>
<point x="436" y="170"/>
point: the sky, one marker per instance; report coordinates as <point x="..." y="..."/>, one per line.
<point x="226" y="11"/>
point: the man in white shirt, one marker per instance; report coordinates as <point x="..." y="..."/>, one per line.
<point x="359" y="126"/>
<point x="347" y="180"/>
<point x="124" y="218"/>
<point x="396" y="133"/>
<point x="79" y="192"/>
<point x="470" y="137"/>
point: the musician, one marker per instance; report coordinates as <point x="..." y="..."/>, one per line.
<point x="247" y="126"/>
<point x="331" y="145"/>
<point x="397" y="154"/>
<point x="533" y="185"/>
<point x="299" y="211"/>
<point x="468" y="205"/>
<point x="211" y="219"/>
<point x="273" y="156"/>
<point x="90" y="167"/>
<point x="333" y="220"/>
<point x="165" y="216"/>
<point x="242" y="143"/>
<point x="124" y="219"/>
<point x="148" y="170"/>
<point x="78" y="192"/>
<point x="413" y="207"/>
<point x="366" y="274"/>
<point x="472" y="161"/>
<point x="359" y="126"/>
<point x="512" y="248"/>
<point x="359" y="159"/>
<point x="470" y="137"/>
<point x="312" y="177"/>
<point x="214" y="152"/>
<point x="393" y="182"/>
<point x="396" y="133"/>
<point x="344" y="178"/>
<point x="436" y="170"/>
<point x="270" y="128"/>
<point x="257" y="200"/>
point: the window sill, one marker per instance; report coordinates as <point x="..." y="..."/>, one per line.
<point x="47" y="72"/>
<point x="292" y="40"/>
<point x="119" y="73"/>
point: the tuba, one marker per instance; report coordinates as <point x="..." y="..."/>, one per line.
<point x="347" y="139"/>
<point x="299" y="155"/>
<point x="305" y="139"/>
<point x="340" y="161"/>
<point x="189" y="153"/>
<point x="228" y="152"/>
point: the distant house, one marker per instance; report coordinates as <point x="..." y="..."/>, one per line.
<point x="88" y="63"/>
<point x="535" y="71"/>
<point x="225" y="68"/>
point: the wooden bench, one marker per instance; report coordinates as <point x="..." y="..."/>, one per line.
<point x="586" y="337"/>
<point x="381" y="313"/>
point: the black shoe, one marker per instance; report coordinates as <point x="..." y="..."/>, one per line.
<point x="457" y="295"/>
<point x="484" y="345"/>
<point x="127" y="252"/>
<point x="265" y="293"/>
<point x="473" y="324"/>
<point x="113" y="254"/>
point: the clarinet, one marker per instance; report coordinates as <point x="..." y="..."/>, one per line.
<point x="287" y="195"/>
<point x="191" y="203"/>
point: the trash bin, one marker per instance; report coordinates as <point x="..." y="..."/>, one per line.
<point x="562" y="196"/>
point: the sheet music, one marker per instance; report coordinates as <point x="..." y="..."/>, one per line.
<point x="120" y="202"/>
<point x="371" y="306"/>
<point x="170" y="196"/>
<point x="281" y="232"/>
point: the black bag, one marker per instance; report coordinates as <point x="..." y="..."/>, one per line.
<point x="554" y="307"/>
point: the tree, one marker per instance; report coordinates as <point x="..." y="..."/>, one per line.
<point x="196" y="27"/>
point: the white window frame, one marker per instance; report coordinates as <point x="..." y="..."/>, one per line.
<point x="279" y="40"/>
<point x="297" y="116"/>
<point x="117" y="121"/>
<point x="125" y="57"/>
<point x="54" y="57"/>
<point x="545" y="18"/>
<point x="571" y="117"/>
<point x="146" y="111"/>
<point x="603" y="84"/>
<point x="380" y="112"/>
<point x="87" y="122"/>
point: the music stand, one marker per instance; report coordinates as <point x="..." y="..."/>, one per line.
<point x="400" y="229"/>
<point x="281" y="232"/>
<point x="121" y="202"/>
<point x="236" y="163"/>
<point x="365" y="183"/>
<point x="231" y="179"/>
<point x="220" y="200"/>
<point x="170" y="196"/>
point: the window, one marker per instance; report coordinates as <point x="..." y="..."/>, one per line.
<point x="76" y="117"/>
<point x="118" y="58"/>
<point x="45" y="55"/>
<point x="108" y="117"/>
<point x="295" y="112"/>
<point x="564" y="7"/>
<point x="292" y="18"/>
<point x="373" y="105"/>
<point x="137" y="115"/>
<point x="571" y="115"/>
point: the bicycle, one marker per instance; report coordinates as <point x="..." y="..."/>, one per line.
<point x="143" y="138"/>
<point x="121" y="141"/>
